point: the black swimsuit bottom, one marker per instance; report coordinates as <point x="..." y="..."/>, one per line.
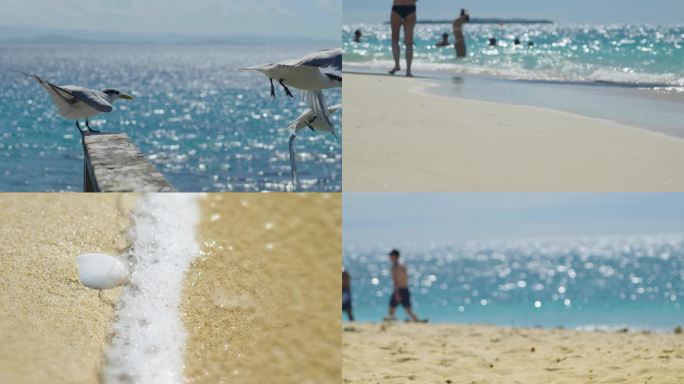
<point x="404" y="10"/>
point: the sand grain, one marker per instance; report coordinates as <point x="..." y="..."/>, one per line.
<point x="53" y="328"/>
<point x="262" y="303"/>
<point x="429" y="353"/>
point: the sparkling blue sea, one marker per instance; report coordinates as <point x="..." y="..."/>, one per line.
<point x="580" y="282"/>
<point x="642" y="56"/>
<point x="205" y="125"/>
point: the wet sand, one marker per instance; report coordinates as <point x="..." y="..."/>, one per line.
<point x="399" y="138"/>
<point x="53" y="329"/>
<point x="478" y="354"/>
<point x="261" y="304"/>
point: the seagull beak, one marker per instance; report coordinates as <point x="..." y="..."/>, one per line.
<point x="122" y="96"/>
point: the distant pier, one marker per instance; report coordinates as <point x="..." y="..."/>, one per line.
<point x="112" y="163"/>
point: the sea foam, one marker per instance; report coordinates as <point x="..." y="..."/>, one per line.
<point x="148" y="334"/>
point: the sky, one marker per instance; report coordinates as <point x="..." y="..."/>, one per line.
<point x="422" y="218"/>
<point x="573" y="11"/>
<point x="317" y="18"/>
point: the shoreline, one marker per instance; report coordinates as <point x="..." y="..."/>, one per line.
<point x="394" y="353"/>
<point x="585" y="329"/>
<point x="148" y="337"/>
<point x="447" y="143"/>
<point x="476" y="87"/>
<point x="432" y="90"/>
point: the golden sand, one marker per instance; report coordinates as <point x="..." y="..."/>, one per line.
<point x="423" y="353"/>
<point x="261" y="305"/>
<point x="52" y="328"/>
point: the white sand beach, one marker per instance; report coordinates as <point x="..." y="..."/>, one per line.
<point x="478" y="354"/>
<point x="398" y="137"/>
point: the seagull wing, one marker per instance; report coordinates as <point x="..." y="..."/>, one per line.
<point x="59" y="91"/>
<point x="329" y="58"/>
<point x="302" y="121"/>
<point x="260" y="68"/>
<point x="95" y="99"/>
<point x="316" y="102"/>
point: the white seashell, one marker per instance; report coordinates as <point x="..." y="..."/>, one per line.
<point x="101" y="271"/>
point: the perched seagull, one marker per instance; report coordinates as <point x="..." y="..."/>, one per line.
<point x="308" y="119"/>
<point x="305" y="73"/>
<point x="80" y="103"/>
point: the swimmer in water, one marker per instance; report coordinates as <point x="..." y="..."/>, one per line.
<point x="444" y="42"/>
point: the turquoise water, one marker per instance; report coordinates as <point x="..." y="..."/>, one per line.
<point x="205" y="125"/>
<point x="639" y="56"/>
<point x="584" y="282"/>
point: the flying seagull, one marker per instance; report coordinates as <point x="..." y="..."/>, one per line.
<point x="78" y="103"/>
<point x="306" y="73"/>
<point x="308" y="119"/>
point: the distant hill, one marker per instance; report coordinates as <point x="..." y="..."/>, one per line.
<point x="49" y="39"/>
<point x="39" y="35"/>
<point x="474" y="20"/>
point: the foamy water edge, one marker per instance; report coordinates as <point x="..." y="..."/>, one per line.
<point x="148" y="341"/>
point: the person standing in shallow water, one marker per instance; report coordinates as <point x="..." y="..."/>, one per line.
<point x="401" y="294"/>
<point x="346" y="294"/>
<point x="457" y="26"/>
<point x="403" y="14"/>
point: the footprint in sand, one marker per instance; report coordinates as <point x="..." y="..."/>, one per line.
<point x="405" y="359"/>
<point x="447" y="362"/>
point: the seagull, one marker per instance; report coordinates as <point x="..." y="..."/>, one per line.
<point x="305" y="73"/>
<point x="74" y="102"/>
<point x="308" y="119"/>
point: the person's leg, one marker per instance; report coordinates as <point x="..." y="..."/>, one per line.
<point x="406" y="303"/>
<point x="350" y="316"/>
<point x="395" y="22"/>
<point x="409" y="25"/>
<point x="410" y="312"/>
<point x="392" y="307"/>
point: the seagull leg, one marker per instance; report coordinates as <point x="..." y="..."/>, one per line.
<point x="79" y="128"/>
<point x="287" y="90"/>
<point x="272" y="89"/>
<point x="293" y="164"/>
<point x="336" y="137"/>
<point x="88" y="125"/>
